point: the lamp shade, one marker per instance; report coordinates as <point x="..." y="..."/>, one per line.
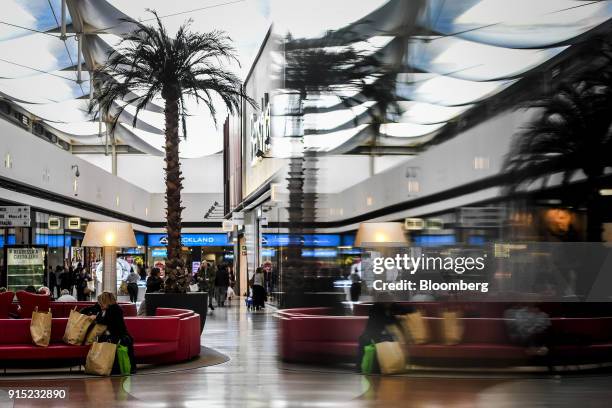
<point x="109" y="234"/>
<point x="371" y="234"/>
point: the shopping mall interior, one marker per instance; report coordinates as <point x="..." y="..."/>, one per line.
<point x="283" y="203"/>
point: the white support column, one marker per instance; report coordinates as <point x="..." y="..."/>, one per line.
<point x="109" y="274"/>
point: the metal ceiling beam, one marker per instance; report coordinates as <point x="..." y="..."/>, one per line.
<point x="100" y="149"/>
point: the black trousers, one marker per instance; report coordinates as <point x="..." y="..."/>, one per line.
<point x="133" y="291"/>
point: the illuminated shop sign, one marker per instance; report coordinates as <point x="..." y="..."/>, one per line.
<point x="268" y="252"/>
<point x="433" y="240"/>
<point x="159" y="253"/>
<point x="319" y="253"/>
<point x="310" y="240"/>
<point x="191" y="240"/>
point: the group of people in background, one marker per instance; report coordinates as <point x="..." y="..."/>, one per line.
<point x="62" y="281"/>
<point x="218" y="281"/>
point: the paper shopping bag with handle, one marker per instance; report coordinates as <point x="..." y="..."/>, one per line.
<point x="452" y="328"/>
<point x="40" y="327"/>
<point x="391" y="358"/>
<point x="100" y="358"/>
<point x="92" y="335"/>
<point x="76" y="328"/>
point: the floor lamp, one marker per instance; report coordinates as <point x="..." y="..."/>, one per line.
<point x="109" y="236"/>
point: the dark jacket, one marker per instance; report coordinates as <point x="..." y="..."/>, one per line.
<point x="222" y="278"/>
<point x="112" y="319"/>
<point x="154" y="284"/>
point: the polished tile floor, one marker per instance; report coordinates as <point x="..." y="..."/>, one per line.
<point x="255" y="378"/>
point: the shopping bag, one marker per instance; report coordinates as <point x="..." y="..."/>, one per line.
<point x="123" y="288"/>
<point x="452" y="328"/>
<point x="369" y="359"/>
<point x="92" y="335"/>
<point x="100" y="358"/>
<point x="76" y="328"/>
<point x="193" y="287"/>
<point x="40" y="327"/>
<point x="391" y="358"/>
<point x="125" y="366"/>
<point x="415" y="328"/>
<point x="90" y="288"/>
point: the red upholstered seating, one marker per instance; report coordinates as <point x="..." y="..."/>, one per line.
<point x="321" y="337"/>
<point x="157" y="339"/>
<point x="29" y="301"/>
<point x="6" y="300"/>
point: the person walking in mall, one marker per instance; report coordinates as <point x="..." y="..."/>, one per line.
<point x="107" y="312"/>
<point x="259" y="291"/>
<point x="132" y="285"/>
<point x="154" y="281"/>
<point x="52" y="282"/>
<point x="59" y="273"/>
<point x="222" y="281"/>
<point x="81" y="283"/>
<point x="211" y="274"/>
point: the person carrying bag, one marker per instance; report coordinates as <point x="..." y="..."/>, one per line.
<point x="108" y="313"/>
<point x="40" y="327"/>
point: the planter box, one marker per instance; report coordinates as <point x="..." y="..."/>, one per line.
<point x="196" y="301"/>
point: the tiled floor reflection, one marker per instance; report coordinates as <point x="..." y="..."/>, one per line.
<point x="254" y="378"/>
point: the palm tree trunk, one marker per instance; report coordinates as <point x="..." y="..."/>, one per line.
<point x="176" y="281"/>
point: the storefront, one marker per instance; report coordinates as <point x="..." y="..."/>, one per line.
<point x="197" y="248"/>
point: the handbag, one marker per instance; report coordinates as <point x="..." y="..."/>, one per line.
<point x="369" y="359"/>
<point x="40" y="327"/>
<point x="125" y="365"/>
<point x="123" y="289"/>
<point x="391" y="358"/>
<point x="193" y="287"/>
<point x="100" y="358"/>
<point x="452" y="328"/>
<point x="76" y="328"/>
<point x="92" y="335"/>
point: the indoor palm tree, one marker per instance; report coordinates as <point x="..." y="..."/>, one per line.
<point x="572" y="131"/>
<point x="149" y="63"/>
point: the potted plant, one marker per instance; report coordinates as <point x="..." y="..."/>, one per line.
<point x="149" y="63"/>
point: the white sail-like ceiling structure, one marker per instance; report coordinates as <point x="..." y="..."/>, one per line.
<point x="459" y="53"/>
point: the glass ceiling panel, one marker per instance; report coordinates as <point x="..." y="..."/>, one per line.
<point x="22" y="17"/>
<point x="473" y="61"/>
<point x="517" y="23"/>
<point x="46" y="88"/>
<point x="35" y="53"/>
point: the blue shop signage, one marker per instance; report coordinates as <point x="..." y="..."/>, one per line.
<point x="309" y="240"/>
<point x="191" y="240"/>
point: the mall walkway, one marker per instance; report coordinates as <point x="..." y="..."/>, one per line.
<point x="254" y="378"/>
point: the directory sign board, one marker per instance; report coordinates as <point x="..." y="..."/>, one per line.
<point x="15" y="216"/>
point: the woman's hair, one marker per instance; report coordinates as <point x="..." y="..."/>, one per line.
<point x="107" y="299"/>
<point x="43" y="290"/>
<point x="154" y="271"/>
<point x="65" y="292"/>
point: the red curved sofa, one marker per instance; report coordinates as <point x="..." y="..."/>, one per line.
<point x="312" y="335"/>
<point x="173" y="335"/>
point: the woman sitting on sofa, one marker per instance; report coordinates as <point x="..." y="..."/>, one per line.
<point x="110" y="314"/>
